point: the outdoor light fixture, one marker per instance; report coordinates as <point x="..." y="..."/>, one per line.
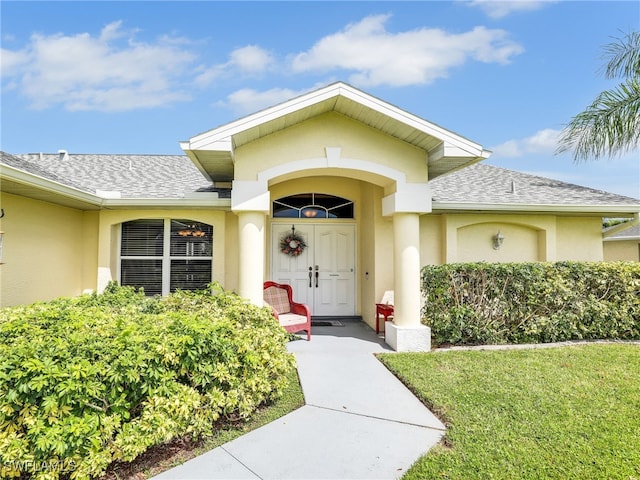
<point x="498" y="238"/>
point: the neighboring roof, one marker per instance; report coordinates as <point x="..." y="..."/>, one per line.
<point x="486" y="187"/>
<point x="631" y="233"/>
<point x="212" y="151"/>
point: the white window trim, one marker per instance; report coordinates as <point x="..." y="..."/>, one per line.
<point x="166" y="255"/>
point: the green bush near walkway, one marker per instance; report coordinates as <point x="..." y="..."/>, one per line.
<point x="499" y="303"/>
<point x="99" y="378"/>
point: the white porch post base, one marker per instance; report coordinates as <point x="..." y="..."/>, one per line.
<point x="408" y="339"/>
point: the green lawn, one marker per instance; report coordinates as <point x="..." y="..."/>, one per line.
<point x="557" y="413"/>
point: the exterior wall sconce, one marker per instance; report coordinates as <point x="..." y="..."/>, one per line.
<point x="498" y="238"/>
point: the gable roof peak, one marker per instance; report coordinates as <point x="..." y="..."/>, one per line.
<point x="212" y="151"/>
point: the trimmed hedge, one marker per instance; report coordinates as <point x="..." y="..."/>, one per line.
<point x="498" y="303"/>
<point x="99" y="378"/>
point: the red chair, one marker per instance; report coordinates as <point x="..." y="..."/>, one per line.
<point x="384" y="308"/>
<point x="293" y="317"/>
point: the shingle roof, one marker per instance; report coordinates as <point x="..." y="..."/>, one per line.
<point x="134" y="176"/>
<point x="487" y="184"/>
<point x="38" y="170"/>
<point x="632" y="233"/>
<point x="171" y="176"/>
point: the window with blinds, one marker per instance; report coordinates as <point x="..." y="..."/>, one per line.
<point x="165" y="255"/>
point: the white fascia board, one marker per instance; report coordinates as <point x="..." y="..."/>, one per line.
<point x="622" y="239"/>
<point x="19" y="176"/>
<point x="168" y="203"/>
<point x="627" y="210"/>
<point x="445" y="150"/>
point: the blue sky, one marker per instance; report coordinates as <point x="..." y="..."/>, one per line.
<point x="139" y="77"/>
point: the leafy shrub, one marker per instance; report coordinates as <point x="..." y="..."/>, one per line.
<point x="99" y="378"/>
<point x="481" y="303"/>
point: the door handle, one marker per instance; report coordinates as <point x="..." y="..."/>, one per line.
<point x="317" y="275"/>
<point x="310" y="276"/>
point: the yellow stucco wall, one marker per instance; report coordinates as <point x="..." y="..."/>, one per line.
<point x="476" y="243"/>
<point x="230" y="280"/>
<point x="52" y="251"/>
<point x="527" y="237"/>
<point x="625" y="250"/>
<point x="580" y="238"/>
<point x="469" y="237"/>
<point x="431" y="239"/>
<point x="43" y="251"/>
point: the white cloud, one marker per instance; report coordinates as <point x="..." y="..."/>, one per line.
<point x="11" y="62"/>
<point x="251" y="59"/>
<point x="85" y="72"/>
<point x="248" y="100"/>
<point x="543" y="142"/>
<point x="500" y="9"/>
<point x="245" y="60"/>
<point x="414" y="57"/>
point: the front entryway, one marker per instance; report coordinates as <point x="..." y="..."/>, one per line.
<point x="323" y="275"/>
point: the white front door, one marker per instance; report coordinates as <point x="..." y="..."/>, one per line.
<point x="323" y="275"/>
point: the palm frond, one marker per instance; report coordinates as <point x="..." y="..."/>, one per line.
<point x="623" y="57"/>
<point x="609" y="127"/>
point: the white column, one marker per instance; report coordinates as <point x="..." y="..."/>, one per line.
<point x="251" y="239"/>
<point x="407" y="333"/>
<point x="406" y="265"/>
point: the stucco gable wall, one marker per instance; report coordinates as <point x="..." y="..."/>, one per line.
<point x="309" y="140"/>
<point x="43" y="251"/>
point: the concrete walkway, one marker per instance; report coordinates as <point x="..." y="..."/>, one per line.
<point x="359" y="421"/>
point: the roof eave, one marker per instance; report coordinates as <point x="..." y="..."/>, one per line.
<point x="601" y="210"/>
<point x="168" y="203"/>
<point x="9" y="173"/>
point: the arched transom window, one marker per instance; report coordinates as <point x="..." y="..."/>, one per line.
<point x="312" y="205"/>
